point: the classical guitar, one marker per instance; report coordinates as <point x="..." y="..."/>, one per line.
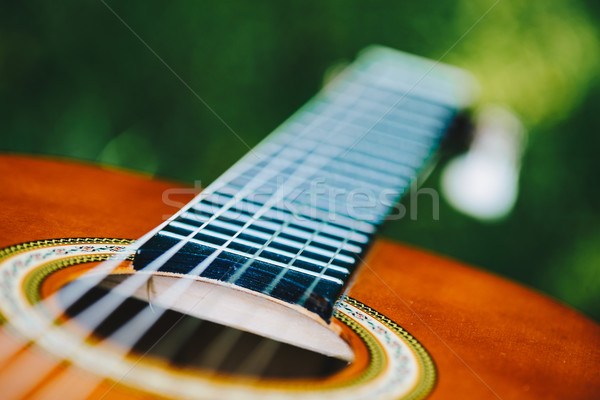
<point x="269" y="284"/>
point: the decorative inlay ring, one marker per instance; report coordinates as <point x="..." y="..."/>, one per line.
<point x="398" y="368"/>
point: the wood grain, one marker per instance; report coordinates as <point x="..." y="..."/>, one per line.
<point x="490" y="338"/>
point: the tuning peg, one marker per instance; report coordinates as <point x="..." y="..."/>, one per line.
<point x="483" y="182"/>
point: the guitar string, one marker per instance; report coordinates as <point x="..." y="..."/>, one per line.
<point x="109" y="269"/>
<point x="265" y="350"/>
<point x="120" y="293"/>
<point x="103" y="269"/>
<point x="73" y="345"/>
<point x="123" y="348"/>
<point x="311" y="288"/>
<point x="214" y="355"/>
<point x="301" y="250"/>
<point x="263" y="247"/>
<point x="93" y="276"/>
<point x="261" y="353"/>
<point x="194" y="202"/>
<point x="42" y="307"/>
<point x="272" y="348"/>
<point x="262" y="350"/>
<point x="149" y="318"/>
<point x="98" y="307"/>
<point x="265" y="353"/>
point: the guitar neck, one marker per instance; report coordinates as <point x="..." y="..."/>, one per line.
<point x="294" y="217"/>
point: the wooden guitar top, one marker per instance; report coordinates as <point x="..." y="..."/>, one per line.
<point x="489" y="338"/>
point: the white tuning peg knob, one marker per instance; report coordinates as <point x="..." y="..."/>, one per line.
<point x="483" y="182"/>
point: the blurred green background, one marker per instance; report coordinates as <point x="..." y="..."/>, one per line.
<point x="75" y="82"/>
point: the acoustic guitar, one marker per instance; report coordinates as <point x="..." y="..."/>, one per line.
<point x="268" y="284"/>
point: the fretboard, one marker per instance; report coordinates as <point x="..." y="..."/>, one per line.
<point x="294" y="218"/>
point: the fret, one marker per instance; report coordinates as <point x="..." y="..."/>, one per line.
<point x="315" y="207"/>
<point x="382" y="77"/>
<point x="383" y="96"/>
<point x="207" y="261"/>
<point x="393" y="139"/>
<point x="368" y="125"/>
<point x="304" y="271"/>
<point x="367" y="162"/>
<point x="318" y="210"/>
<point x="412" y="157"/>
<point x="325" y="241"/>
<point x="377" y="98"/>
<point x="300" y="235"/>
<point x="399" y="161"/>
<point x="289" y="243"/>
<point x="376" y="165"/>
<point x="287" y="154"/>
<point x="345" y="166"/>
<point x="337" y="170"/>
<point x="273" y="214"/>
<point x="243" y="270"/>
<point x="403" y="150"/>
<point x="311" y="288"/>
<point x="436" y="95"/>
<point x="334" y="228"/>
<point x="367" y="117"/>
<point x="322" y="207"/>
<point x="273" y="284"/>
<point x="291" y="224"/>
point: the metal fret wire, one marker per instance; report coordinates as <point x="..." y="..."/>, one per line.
<point x="281" y="274"/>
<point x="257" y="215"/>
<point x="150" y="318"/>
<point x="289" y="178"/>
<point x="147" y="317"/>
<point x="126" y="334"/>
<point x="101" y="309"/>
<point x="363" y="227"/>
<point x="322" y="273"/>
<point x="342" y="258"/>
<point x="267" y="291"/>
<point x="265" y="236"/>
<point x="207" y="192"/>
<point x="319" y="277"/>
<point x="329" y="160"/>
<point x="274" y="200"/>
<point x="313" y="285"/>
<point x="309" y="290"/>
<point x="71" y="294"/>
<point x="320" y="210"/>
<point x="45" y="328"/>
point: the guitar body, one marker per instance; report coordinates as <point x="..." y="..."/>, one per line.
<point x="486" y="336"/>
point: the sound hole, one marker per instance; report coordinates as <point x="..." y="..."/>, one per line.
<point x="187" y="342"/>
